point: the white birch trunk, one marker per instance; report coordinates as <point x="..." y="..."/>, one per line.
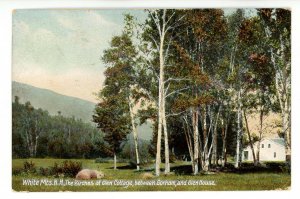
<point x="115" y="161"/>
<point x="283" y="88"/>
<point x="196" y="140"/>
<point x="30" y="143"/>
<point x="287" y="133"/>
<point x="135" y="135"/>
<point x="189" y="142"/>
<point x="161" y="105"/>
<point x="215" y="139"/>
<point x="239" y="133"/>
<point x="166" y="141"/>
<point x="224" y="139"/>
<point x="35" y="145"/>
<point x="205" y="158"/>
<point x="158" y="143"/>
<point x="260" y="137"/>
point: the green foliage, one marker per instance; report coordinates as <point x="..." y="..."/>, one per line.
<point x="56" y="136"/>
<point x="128" y="151"/>
<point x="112" y="114"/>
<point x="67" y="168"/>
<point x="29" y="167"/>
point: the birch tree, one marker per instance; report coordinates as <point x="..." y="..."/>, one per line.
<point x="159" y="31"/>
<point x="277" y="29"/>
<point x="267" y="37"/>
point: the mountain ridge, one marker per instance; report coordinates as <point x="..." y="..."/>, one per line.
<point x="68" y="106"/>
<point x="53" y="102"/>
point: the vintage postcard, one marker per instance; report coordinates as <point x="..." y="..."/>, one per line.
<point x="151" y="99"/>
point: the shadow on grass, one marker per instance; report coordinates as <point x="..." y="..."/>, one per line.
<point x="124" y="167"/>
<point x="245" y="168"/>
<point x="268" y="167"/>
<point x="182" y="170"/>
<point x="130" y="166"/>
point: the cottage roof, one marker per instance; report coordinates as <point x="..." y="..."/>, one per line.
<point x="278" y="141"/>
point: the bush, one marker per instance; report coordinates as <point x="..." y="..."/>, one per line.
<point x="278" y="166"/>
<point x="29" y="167"/>
<point x="44" y="171"/>
<point x="71" y="168"/>
<point x="67" y="168"/>
<point x="17" y="171"/>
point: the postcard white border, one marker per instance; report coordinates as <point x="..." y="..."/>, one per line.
<point x="6" y="8"/>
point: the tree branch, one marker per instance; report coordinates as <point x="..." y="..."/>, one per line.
<point x="176" y="91"/>
<point x="156" y="20"/>
<point x="176" y="79"/>
<point x="175" y="114"/>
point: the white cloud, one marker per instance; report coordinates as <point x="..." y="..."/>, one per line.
<point x="66" y="23"/>
<point x="96" y="19"/>
<point x="63" y="55"/>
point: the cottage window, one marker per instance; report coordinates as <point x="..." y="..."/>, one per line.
<point x="269" y="145"/>
<point x="262" y="145"/>
<point x="246" y="154"/>
<point x="274" y="154"/>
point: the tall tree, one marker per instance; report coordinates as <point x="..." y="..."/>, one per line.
<point x="112" y="118"/>
<point x="159" y="30"/>
<point x="121" y="59"/>
<point x="277" y="29"/>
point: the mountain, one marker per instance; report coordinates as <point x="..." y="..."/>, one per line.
<point x="53" y="102"/>
<point x="68" y="106"/>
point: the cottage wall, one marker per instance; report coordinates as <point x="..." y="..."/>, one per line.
<point x="269" y="151"/>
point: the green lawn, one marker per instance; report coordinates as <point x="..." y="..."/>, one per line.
<point x="223" y="181"/>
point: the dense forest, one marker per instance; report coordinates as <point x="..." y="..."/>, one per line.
<point x="35" y="133"/>
<point x="197" y="75"/>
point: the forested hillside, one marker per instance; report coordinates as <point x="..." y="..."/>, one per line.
<point x="53" y="102"/>
<point x="36" y="133"/>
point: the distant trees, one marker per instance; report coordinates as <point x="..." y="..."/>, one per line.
<point x="35" y="133"/>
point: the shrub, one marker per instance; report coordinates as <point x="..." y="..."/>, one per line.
<point x="29" y="167"/>
<point x="17" y="171"/>
<point x="44" y="171"/>
<point x="71" y="168"/>
<point x="67" y="168"/>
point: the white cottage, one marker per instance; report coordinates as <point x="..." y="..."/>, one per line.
<point x="270" y="150"/>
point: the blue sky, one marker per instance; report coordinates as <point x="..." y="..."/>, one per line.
<point x="60" y="49"/>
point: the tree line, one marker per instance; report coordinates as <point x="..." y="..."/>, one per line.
<point x="35" y="133"/>
<point x="197" y="75"/>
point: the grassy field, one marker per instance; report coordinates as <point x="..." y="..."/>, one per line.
<point x="221" y="181"/>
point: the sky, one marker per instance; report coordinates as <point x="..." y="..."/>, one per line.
<point x="61" y="49"/>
